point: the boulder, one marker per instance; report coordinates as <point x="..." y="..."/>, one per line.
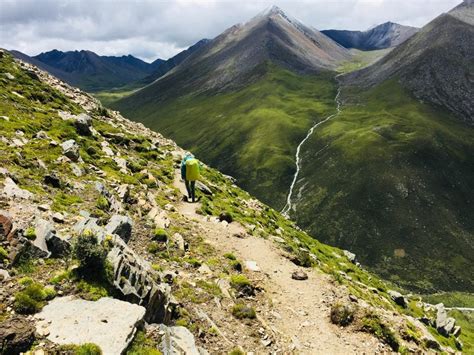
<point x="398" y="298"/>
<point x="178" y="340"/>
<point x="41" y="135"/>
<point x="11" y="190"/>
<point x="52" y="180"/>
<point x="71" y="149"/>
<point x="4" y="275"/>
<point x="299" y="275"/>
<point x="203" y="188"/>
<point x="251" y="266"/>
<point x="58" y="217"/>
<point x="17" y="334"/>
<point x="350" y="256"/>
<point x="5" y="224"/>
<point x="90" y="224"/>
<point x="225" y="216"/>
<point x="136" y="281"/>
<point x="120" y="225"/>
<point x="108" y="322"/>
<point x="444" y="324"/>
<point x="83" y="124"/>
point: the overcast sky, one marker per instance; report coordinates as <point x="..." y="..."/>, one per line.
<point x="151" y="29"/>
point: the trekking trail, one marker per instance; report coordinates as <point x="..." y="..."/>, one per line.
<point x="288" y="207"/>
<point x="295" y="312"/>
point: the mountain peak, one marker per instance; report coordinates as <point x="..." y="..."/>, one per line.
<point x="272" y="10"/>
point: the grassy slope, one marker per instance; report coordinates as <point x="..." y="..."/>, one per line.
<point x="395" y="174"/>
<point x="37" y="110"/>
<point x="252" y="133"/>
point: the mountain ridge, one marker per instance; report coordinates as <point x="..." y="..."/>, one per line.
<point x="386" y="35"/>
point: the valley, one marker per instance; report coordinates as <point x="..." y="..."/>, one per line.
<point x="337" y="180"/>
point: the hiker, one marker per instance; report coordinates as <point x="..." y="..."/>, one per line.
<point x="190" y="173"/>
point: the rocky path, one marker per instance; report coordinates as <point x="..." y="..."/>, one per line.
<point x="298" y="314"/>
<point x="289" y="204"/>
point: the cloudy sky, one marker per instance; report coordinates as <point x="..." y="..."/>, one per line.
<point x="151" y="29"/>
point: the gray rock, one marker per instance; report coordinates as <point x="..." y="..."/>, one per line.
<point x="350" y="256"/>
<point x="4" y="275"/>
<point x="398" y="298"/>
<point x="17" y="334"/>
<point x="52" y="180"/>
<point x="58" y="217"/>
<point x="11" y="190"/>
<point x="135" y="279"/>
<point x="299" y="275"/>
<point x="71" y="149"/>
<point x="83" y="124"/>
<point x="178" y="340"/>
<point x="457" y="331"/>
<point x="179" y="242"/>
<point x="90" y="223"/>
<point x="108" y="322"/>
<point x="41" y="135"/>
<point x="444" y="324"/>
<point x="9" y="76"/>
<point x="203" y="188"/>
<point x="77" y="170"/>
<point x="120" y="225"/>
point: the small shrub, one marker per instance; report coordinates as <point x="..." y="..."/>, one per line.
<point x="25" y="281"/>
<point x="90" y="254"/>
<point x="241" y="311"/>
<point x="30" y="233"/>
<point x="31" y="299"/>
<point x="103" y="203"/>
<point x="236" y="265"/>
<point x="342" y="314"/>
<point x="142" y="345"/>
<point x="193" y="261"/>
<point x="372" y="323"/>
<point x="154" y="247"/>
<point x="239" y="281"/>
<point x="3" y="254"/>
<point x="83" y="349"/>
<point x="92" y="290"/>
<point x="230" y="256"/>
<point x="160" y="235"/>
<point x="236" y="351"/>
<point x="60" y="277"/>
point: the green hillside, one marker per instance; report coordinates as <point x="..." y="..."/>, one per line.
<point x="251" y="133"/>
<point x="393" y="181"/>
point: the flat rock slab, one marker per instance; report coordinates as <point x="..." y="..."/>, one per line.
<point x="108" y="322"/>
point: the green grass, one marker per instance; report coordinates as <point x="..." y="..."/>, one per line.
<point x="109" y="97"/>
<point x="451" y="299"/>
<point x="466" y="321"/>
<point x="251" y="133"/>
<point x="361" y="59"/>
<point x="392" y="181"/>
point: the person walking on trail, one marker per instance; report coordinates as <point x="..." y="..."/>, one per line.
<point x="190" y="169"/>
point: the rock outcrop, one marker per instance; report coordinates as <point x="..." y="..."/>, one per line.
<point x="108" y="322"/>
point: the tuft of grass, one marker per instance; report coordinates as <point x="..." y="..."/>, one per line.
<point x="30" y="233"/>
<point x="342" y="314"/>
<point x="372" y="323"/>
<point x="239" y="282"/>
<point x="160" y="235"/>
<point x="241" y="311"/>
<point x="142" y="345"/>
<point x="32" y="298"/>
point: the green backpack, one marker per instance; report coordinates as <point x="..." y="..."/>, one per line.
<point x="192" y="169"/>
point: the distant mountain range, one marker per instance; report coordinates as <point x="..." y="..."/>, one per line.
<point x="389" y="177"/>
<point x="435" y="65"/>
<point x="383" y="36"/>
<point x="91" y="72"/>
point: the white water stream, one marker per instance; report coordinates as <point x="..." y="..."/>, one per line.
<point x="289" y="205"/>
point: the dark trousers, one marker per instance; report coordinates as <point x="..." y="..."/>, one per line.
<point x="191" y="188"/>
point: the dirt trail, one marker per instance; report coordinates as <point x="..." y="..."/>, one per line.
<point x="299" y="311"/>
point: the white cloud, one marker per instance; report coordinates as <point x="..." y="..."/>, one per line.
<point x="151" y="29"/>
